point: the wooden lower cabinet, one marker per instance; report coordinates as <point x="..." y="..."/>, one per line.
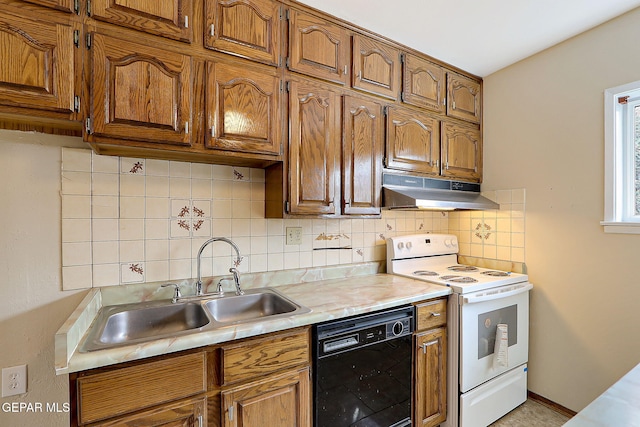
<point x="259" y="381"/>
<point x="283" y="400"/>
<point x="430" y="359"/>
<point x="191" y="413"/>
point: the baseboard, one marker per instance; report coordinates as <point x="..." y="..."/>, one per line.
<point x="551" y="404"/>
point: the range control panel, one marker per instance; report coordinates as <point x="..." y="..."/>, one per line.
<point x="420" y="245"/>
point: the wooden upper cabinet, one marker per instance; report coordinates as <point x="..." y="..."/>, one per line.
<point x="166" y="18"/>
<point x="314" y="120"/>
<point x="37" y="68"/>
<point x="463" y="98"/>
<point x="461" y="152"/>
<point x="413" y="141"/>
<point x="246" y="28"/>
<point x="243" y="108"/>
<point x="362" y="152"/>
<point x="318" y="48"/>
<point x="423" y="83"/>
<point x="65" y="5"/>
<point x="140" y="93"/>
<point x="376" y="67"/>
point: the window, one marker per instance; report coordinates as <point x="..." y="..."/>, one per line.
<point x="622" y="159"/>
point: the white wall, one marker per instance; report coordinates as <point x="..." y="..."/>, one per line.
<point x="32" y="305"/>
<point x="543" y="131"/>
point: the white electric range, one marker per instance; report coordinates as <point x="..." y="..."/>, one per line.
<point x="485" y="380"/>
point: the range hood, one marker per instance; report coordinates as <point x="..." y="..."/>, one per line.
<point x="413" y="192"/>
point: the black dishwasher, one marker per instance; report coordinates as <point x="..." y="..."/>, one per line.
<point x="362" y="370"/>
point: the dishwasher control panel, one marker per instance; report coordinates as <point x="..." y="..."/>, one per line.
<point x="338" y="337"/>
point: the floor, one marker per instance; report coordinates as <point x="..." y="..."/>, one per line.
<point x="531" y="414"/>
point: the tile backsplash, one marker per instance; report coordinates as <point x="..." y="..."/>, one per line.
<point x="128" y="220"/>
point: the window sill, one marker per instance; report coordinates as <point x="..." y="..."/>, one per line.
<point x="621" y="227"/>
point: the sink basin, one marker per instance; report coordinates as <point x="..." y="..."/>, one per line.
<point x="119" y="325"/>
<point x="132" y="323"/>
<point x="253" y="305"/>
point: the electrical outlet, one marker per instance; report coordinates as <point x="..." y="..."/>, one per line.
<point x="14" y="380"/>
<point x="294" y="235"/>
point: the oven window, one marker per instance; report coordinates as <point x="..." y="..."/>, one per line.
<point x="487" y="326"/>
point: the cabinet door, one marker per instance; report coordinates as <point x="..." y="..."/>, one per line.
<point x="283" y="400"/>
<point x="376" y="67"/>
<point x="362" y="151"/>
<point x="463" y="98"/>
<point x="167" y="18"/>
<point x="140" y="93"/>
<point x="318" y="48"/>
<point x="65" y="5"/>
<point x="314" y="117"/>
<point x="180" y="414"/>
<point x="37" y="67"/>
<point x="413" y="142"/>
<point x="461" y="152"/>
<point x="246" y="28"/>
<point x="423" y="84"/>
<point x="430" y="378"/>
<point x="243" y="109"/>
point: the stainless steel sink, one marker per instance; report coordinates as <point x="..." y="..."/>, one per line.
<point x="253" y="305"/>
<point x="125" y="324"/>
<point x="133" y="323"/>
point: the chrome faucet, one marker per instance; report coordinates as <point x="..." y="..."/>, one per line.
<point x="236" y="280"/>
<point x="233" y="270"/>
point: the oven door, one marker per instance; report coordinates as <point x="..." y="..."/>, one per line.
<point x="480" y="313"/>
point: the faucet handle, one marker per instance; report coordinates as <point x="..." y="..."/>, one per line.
<point x="236" y="280"/>
<point x="176" y="293"/>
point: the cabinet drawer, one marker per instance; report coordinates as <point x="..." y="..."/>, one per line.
<point x="128" y="389"/>
<point x="259" y="357"/>
<point x="431" y="314"/>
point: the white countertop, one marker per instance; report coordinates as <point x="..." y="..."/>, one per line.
<point x="328" y="299"/>
<point x="618" y="406"/>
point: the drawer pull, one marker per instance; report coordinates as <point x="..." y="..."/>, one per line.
<point x="427" y="344"/>
<point x="231" y="413"/>
<point x="434" y="314"/>
<point x="200" y="421"/>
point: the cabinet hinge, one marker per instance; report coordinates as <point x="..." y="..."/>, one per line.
<point x="385" y="163"/>
<point x="385" y="110"/>
<point x="282" y="13"/>
<point x="88" y="7"/>
<point x="76" y="38"/>
<point x="402" y="58"/>
<point x="88" y="41"/>
<point x="76" y="103"/>
<point x="288" y="86"/>
<point x="281" y="86"/>
<point x="286" y="207"/>
<point x="287" y="14"/>
<point x="87" y="125"/>
<point x="76" y="6"/>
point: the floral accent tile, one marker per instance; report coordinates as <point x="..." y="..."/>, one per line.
<point x="132" y="272"/>
<point x="325" y="236"/>
<point x="483" y="231"/>
<point x="132" y="166"/>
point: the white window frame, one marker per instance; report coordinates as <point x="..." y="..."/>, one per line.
<point x="619" y="185"/>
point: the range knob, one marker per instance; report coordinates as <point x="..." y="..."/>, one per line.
<point x="400" y="245"/>
<point x="409" y="245"/>
<point x="448" y="243"/>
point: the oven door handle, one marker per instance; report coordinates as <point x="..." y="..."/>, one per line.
<point x="489" y="295"/>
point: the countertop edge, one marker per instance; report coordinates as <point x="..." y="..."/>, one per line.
<point x="367" y="294"/>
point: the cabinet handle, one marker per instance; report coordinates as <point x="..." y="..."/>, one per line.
<point x="200" y="421"/>
<point x="345" y="70"/>
<point x="231" y="413"/>
<point x="186" y="21"/>
<point x="453" y="104"/>
<point x="427" y="344"/>
<point x="360" y="75"/>
<point x="186" y="128"/>
<point x="212" y="30"/>
<point x="434" y="314"/>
